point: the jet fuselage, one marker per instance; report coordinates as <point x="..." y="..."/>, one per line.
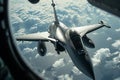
<point x="72" y="42"/>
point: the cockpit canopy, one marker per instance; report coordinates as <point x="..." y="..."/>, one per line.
<point x="52" y="29"/>
<point x="76" y="40"/>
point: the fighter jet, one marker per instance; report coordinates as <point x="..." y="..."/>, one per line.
<point x="74" y="40"/>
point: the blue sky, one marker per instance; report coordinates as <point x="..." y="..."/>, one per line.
<point x="28" y="18"/>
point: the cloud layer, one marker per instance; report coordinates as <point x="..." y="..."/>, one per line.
<point x="106" y="64"/>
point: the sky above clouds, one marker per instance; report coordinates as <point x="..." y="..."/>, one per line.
<point x="28" y="18"/>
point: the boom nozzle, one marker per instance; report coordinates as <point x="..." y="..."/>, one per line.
<point x="53" y="4"/>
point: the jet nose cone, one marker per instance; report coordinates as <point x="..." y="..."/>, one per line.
<point x="92" y="76"/>
<point x="85" y="65"/>
<point x="83" y="62"/>
<point x="89" y="67"/>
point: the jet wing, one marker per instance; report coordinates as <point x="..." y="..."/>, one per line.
<point x="44" y="36"/>
<point x="87" y="29"/>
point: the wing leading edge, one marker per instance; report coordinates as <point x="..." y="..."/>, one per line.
<point x="90" y="28"/>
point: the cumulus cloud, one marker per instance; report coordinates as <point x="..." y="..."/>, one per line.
<point x="50" y="54"/>
<point x="115" y="62"/>
<point x="95" y="33"/>
<point x="59" y="63"/>
<point x="109" y="38"/>
<point x="65" y="77"/>
<point x="15" y="19"/>
<point x="76" y="71"/>
<point x="22" y="30"/>
<point x="117" y="78"/>
<point x="43" y="73"/>
<point x="29" y="50"/>
<point x="117" y="30"/>
<point x="116" y="44"/>
<point x="34" y="27"/>
<point x="106" y="63"/>
<point x="37" y="55"/>
<point x="100" y="55"/>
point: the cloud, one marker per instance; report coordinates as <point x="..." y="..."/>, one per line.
<point x="117" y="30"/>
<point x="34" y="27"/>
<point x="43" y="73"/>
<point x="15" y="19"/>
<point x="114" y="63"/>
<point x="116" y="44"/>
<point x="117" y="78"/>
<point x="95" y="33"/>
<point x="106" y="63"/>
<point x="29" y="50"/>
<point x="50" y="54"/>
<point x="100" y="55"/>
<point x="65" y="77"/>
<point x="109" y="38"/>
<point x="37" y="55"/>
<point x="59" y="63"/>
<point x="22" y="30"/>
<point x="76" y="71"/>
